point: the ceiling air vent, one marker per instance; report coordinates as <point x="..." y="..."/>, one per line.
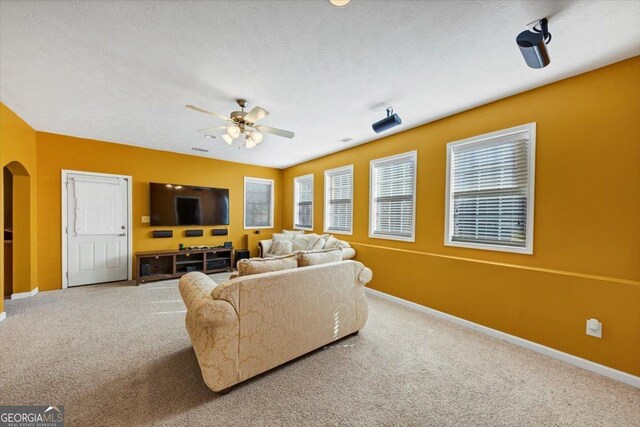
<point x="202" y="150"/>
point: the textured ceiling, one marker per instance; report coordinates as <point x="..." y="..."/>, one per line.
<point x="122" y="71"/>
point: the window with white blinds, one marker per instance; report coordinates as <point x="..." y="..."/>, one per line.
<point x="303" y="202"/>
<point x="258" y="203"/>
<point x="393" y="197"/>
<point x="338" y="200"/>
<point x="490" y="188"/>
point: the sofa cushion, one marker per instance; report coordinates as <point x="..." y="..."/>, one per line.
<point x="307" y="258"/>
<point x="247" y="267"/>
<point x="281" y="247"/>
<point x="293" y="232"/>
<point x="301" y="242"/>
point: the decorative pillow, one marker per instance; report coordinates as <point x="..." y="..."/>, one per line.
<point x="281" y="247"/>
<point x="292" y="231"/>
<point x="307" y="258"/>
<point x="279" y="237"/>
<point x="282" y="237"/>
<point x="331" y="243"/>
<point x="301" y="242"/>
<point x="247" y="267"/>
<point x="318" y="244"/>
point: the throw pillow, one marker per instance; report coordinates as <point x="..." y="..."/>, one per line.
<point x="292" y="231"/>
<point x="281" y="247"/>
<point x="279" y="237"/>
<point x="301" y="242"/>
<point x="318" y="244"/>
<point x="247" y="267"/>
<point x="331" y="243"/>
<point x="307" y="258"/>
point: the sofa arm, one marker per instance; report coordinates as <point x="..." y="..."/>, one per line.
<point x="194" y="286"/>
<point x="214" y="329"/>
<point x="264" y="246"/>
<point x="348" y="253"/>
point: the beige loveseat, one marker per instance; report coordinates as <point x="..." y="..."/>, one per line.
<point x="301" y="242"/>
<point x="254" y="323"/>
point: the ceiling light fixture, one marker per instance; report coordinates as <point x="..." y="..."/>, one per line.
<point x="533" y="44"/>
<point x="227" y="139"/>
<point x="257" y="136"/>
<point x="233" y="131"/>
<point x="339" y="3"/>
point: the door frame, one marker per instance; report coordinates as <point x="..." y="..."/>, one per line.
<point x="64" y="177"/>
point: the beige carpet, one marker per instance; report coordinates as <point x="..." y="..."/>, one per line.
<point x="119" y="355"/>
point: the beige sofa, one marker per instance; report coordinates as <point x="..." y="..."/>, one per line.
<point x="254" y="323"/>
<point x="265" y="245"/>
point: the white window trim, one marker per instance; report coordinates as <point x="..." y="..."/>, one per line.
<point x="295" y="201"/>
<point x="327" y="174"/>
<point x="412" y="238"/>
<point x="244" y="202"/>
<point x="448" y="215"/>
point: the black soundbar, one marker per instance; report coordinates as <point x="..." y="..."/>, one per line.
<point x="194" y="233"/>
<point x="158" y="234"/>
<point x="220" y="232"/>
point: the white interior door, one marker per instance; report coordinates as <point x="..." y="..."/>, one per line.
<point x="97" y="228"/>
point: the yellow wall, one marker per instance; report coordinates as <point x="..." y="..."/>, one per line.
<point x="586" y="260"/>
<point x="58" y="152"/>
<point x="18" y="150"/>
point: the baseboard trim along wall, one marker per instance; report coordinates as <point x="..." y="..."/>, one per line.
<point x="3" y="316"/>
<point x="597" y="368"/>
<point x="21" y="295"/>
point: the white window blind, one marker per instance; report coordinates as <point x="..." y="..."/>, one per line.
<point x="99" y="205"/>
<point x="490" y="200"/>
<point x="258" y="203"/>
<point x="338" y="202"/>
<point x="303" y="202"/>
<point x="393" y="185"/>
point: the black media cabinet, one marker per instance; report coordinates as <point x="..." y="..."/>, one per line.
<point x="164" y="265"/>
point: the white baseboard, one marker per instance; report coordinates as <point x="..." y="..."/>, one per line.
<point x="597" y="368"/>
<point x="21" y="295"/>
<point x="3" y="316"/>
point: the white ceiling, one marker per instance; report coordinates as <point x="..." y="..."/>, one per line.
<point x="122" y="71"/>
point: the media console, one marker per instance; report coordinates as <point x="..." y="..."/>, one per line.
<point x="164" y="265"/>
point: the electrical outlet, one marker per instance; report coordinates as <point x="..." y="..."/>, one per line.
<point x="146" y="219"/>
<point x="594" y="328"/>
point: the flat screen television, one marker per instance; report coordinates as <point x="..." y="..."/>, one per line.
<point x="173" y="204"/>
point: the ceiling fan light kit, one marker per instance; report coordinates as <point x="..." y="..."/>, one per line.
<point x="243" y="123"/>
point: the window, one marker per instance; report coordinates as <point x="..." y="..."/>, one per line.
<point x="338" y="200"/>
<point x="258" y="203"/>
<point x="490" y="188"/>
<point x="393" y="196"/>
<point x="303" y="202"/>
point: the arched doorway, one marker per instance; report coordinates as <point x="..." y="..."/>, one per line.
<point x="17" y="229"/>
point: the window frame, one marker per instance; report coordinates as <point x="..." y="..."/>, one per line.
<point x="295" y="200"/>
<point x="506" y="135"/>
<point x="248" y="179"/>
<point x="327" y="177"/>
<point x="372" y="214"/>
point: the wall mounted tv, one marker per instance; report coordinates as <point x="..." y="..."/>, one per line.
<point x="173" y="204"/>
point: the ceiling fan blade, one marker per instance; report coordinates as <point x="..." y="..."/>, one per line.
<point x="275" y="131"/>
<point x="211" y="129"/>
<point x="256" y="114"/>
<point x="220" y="116"/>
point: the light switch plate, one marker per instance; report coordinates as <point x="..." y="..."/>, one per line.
<point x="146" y="219"/>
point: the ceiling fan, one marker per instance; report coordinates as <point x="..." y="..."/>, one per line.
<point x="243" y="123"/>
